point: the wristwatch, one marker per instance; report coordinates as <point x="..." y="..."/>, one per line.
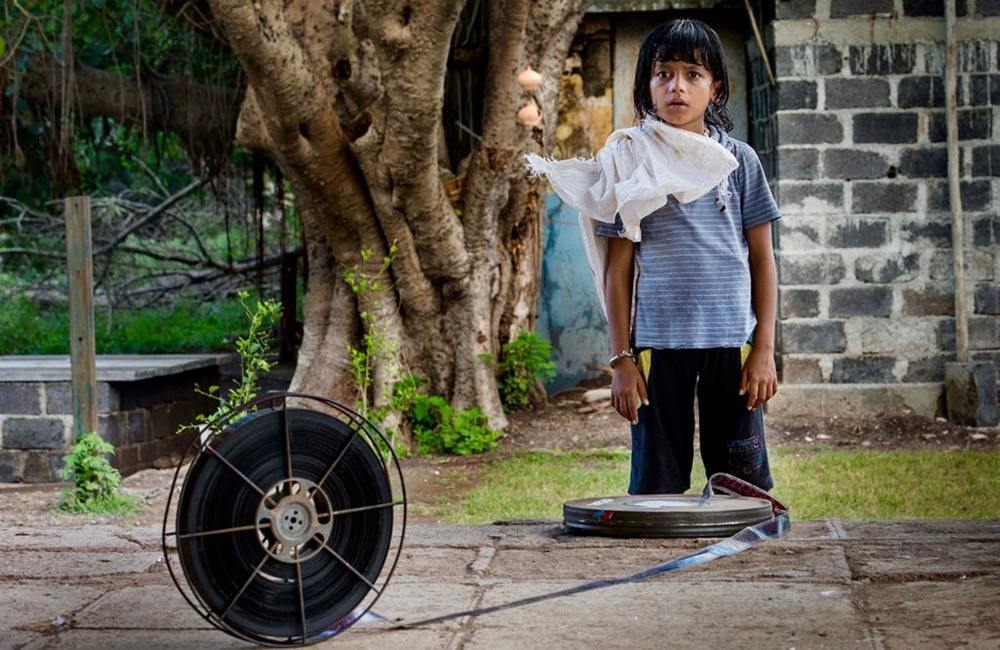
<point x="627" y="352"/>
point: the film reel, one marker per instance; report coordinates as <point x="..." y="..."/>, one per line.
<point x="285" y="525"/>
<point x="665" y="515"/>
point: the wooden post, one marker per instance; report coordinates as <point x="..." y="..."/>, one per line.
<point x="954" y="187"/>
<point x="289" y="276"/>
<point x="81" y="315"/>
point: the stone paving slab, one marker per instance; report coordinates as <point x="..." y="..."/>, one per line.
<point x="48" y="565"/>
<point x="828" y="584"/>
<point x="420" y="600"/>
<point x="148" y="607"/>
<point x="401" y="639"/>
<point x="935" y="614"/>
<point x="814" y="563"/>
<point x="29" y="605"/>
<point x="667" y="615"/>
<point x="94" y="538"/>
<point x="137" y="639"/>
<point x="13" y="639"/>
<point x="909" y="529"/>
<point x="908" y="561"/>
<point x="445" y="564"/>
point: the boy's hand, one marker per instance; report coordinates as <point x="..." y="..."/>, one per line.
<point x="759" y="379"/>
<point x="628" y="390"/>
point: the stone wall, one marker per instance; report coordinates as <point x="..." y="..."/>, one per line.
<point x="140" y="418"/>
<point x="865" y="260"/>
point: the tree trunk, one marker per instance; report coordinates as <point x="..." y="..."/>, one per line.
<point x="347" y="100"/>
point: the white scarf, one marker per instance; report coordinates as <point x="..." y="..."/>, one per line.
<point x="633" y="175"/>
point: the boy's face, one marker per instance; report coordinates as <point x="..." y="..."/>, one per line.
<point x="681" y="93"/>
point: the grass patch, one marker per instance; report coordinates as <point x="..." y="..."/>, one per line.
<point x="187" y="326"/>
<point x="814" y="484"/>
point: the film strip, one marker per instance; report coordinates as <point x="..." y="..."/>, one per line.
<point x="777" y="526"/>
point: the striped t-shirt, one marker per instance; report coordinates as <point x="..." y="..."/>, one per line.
<point x="694" y="273"/>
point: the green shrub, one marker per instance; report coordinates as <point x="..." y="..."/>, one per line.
<point x="95" y="480"/>
<point x="436" y="426"/>
<point x="254" y="349"/>
<point x="187" y="326"/>
<point x="523" y="361"/>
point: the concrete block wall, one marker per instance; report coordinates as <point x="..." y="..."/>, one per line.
<point x="139" y="418"/>
<point x="854" y="135"/>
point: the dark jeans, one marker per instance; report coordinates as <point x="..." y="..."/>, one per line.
<point x="731" y="437"/>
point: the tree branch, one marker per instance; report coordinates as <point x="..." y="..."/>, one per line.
<point x="204" y="116"/>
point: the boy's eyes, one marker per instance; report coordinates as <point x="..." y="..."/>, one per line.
<point x="663" y="74"/>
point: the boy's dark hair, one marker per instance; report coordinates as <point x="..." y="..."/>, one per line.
<point x="691" y="41"/>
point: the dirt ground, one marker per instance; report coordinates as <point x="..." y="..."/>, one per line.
<point x="566" y="423"/>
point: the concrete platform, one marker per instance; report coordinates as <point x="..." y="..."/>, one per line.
<point x="110" y="367"/>
<point x="829" y="584"/>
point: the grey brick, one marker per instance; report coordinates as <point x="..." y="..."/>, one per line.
<point x="799" y="303"/>
<point x="988" y="7"/>
<point x="809" y="128"/>
<point x="806" y="60"/>
<point x="111" y="428"/>
<point x="858" y="233"/>
<point x="928" y="301"/>
<point x="794" y="9"/>
<point x="888" y="128"/>
<point x="796" y="94"/>
<point x="9" y="472"/>
<point x="916" y="92"/>
<point x="923" y="7"/>
<point x="936" y="233"/>
<point x="38" y="468"/>
<point x="945" y="334"/>
<point x="862" y="370"/>
<point x="971" y="393"/>
<point x="938" y="90"/>
<point x="973" y="124"/>
<point x="853" y="164"/>
<point x="58" y="398"/>
<point x="881" y="268"/>
<point x="148" y="452"/>
<point x="806" y="195"/>
<point x="138" y="426"/>
<point x="848" y="302"/>
<point x="801" y="164"/>
<point x="982" y="232"/>
<point x="979" y="90"/>
<point x="797" y="236"/>
<point x="988" y="298"/>
<point x="818" y="337"/>
<point x="986" y="160"/>
<point x="800" y="371"/>
<point x="941" y="266"/>
<point x="846" y="8"/>
<point x="984" y="332"/>
<point x="975" y="55"/>
<point x="924" y="162"/>
<point x="870" y="196"/>
<point x="927" y="368"/>
<point x="32" y="433"/>
<point x="20" y="399"/>
<point x="896" y="58"/>
<point x="853" y="92"/>
<point x="976" y="195"/>
<point x="825" y="268"/>
<point x="126" y="460"/>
